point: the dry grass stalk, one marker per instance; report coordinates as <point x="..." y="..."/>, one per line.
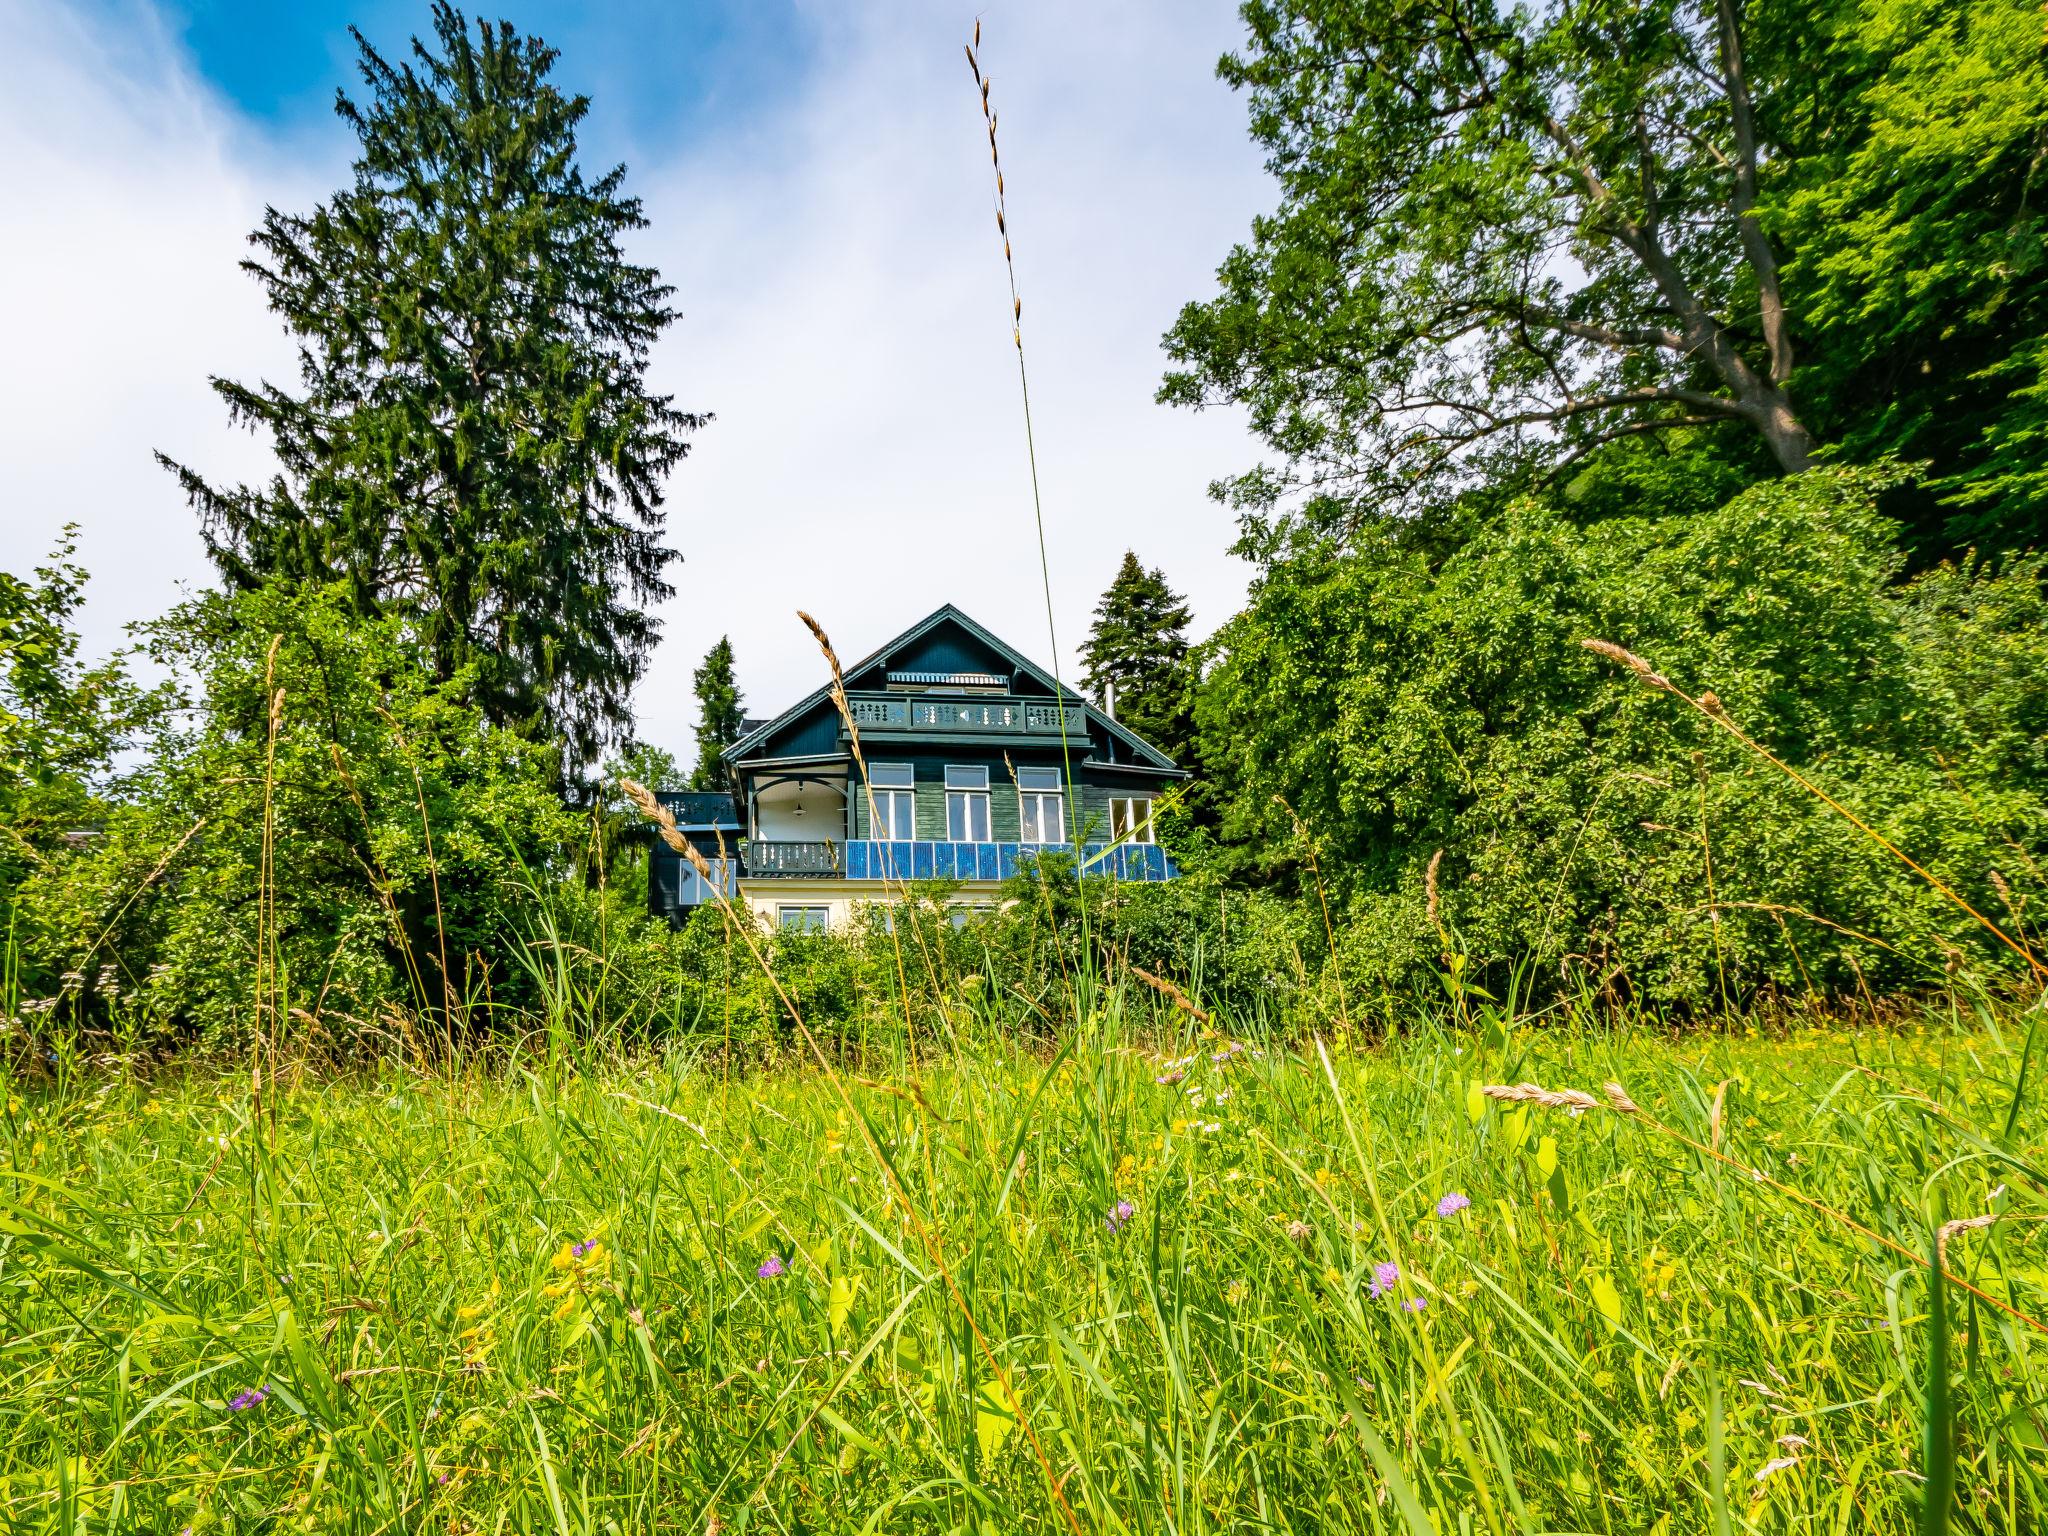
<point x="1618" y="1100"/>
<point x="1161" y="984"/>
<point x="860" y="764"/>
<point x="1973" y="1224"/>
<point x="1429" y="884"/>
<point x="1531" y="1093"/>
<point x="1710" y="705"/>
<point x="649" y="806"/>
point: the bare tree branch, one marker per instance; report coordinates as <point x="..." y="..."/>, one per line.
<point x="1756" y="248"/>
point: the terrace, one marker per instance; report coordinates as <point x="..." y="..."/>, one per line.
<point x="872" y="860"/>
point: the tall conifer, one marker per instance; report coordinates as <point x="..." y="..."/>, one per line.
<point x="1137" y="656"/>
<point x="720" y="713"/>
<point x="472" y="442"/>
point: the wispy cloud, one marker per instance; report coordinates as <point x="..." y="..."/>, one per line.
<point x="844" y="316"/>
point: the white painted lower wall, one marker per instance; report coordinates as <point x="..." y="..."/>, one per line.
<point x="841" y="898"/>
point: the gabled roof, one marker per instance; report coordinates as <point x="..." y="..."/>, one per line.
<point x="949" y="614"/>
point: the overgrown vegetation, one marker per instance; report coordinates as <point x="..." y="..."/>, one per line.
<point x="1164" y="1268"/>
<point x="1586" y="1077"/>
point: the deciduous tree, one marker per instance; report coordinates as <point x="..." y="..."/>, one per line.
<point x="1504" y="233"/>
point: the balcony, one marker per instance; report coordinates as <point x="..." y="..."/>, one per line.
<point x="983" y="716"/>
<point x="945" y="861"/>
<point x="776" y="859"/>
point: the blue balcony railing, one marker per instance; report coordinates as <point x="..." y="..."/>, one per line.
<point x="998" y="861"/>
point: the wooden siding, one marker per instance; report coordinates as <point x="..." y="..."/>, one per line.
<point x="947" y="649"/>
<point x="1087" y="808"/>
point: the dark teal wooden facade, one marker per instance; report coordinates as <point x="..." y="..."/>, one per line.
<point x="944" y="693"/>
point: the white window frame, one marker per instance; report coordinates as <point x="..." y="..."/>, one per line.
<point x="1041" y="807"/>
<point x="817" y="918"/>
<point x="1137" y="824"/>
<point x="894" y="807"/>
<point x="967" y="791"/>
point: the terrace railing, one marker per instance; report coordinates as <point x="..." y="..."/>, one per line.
<point x="777" y="858"/>
<point x="974" y="716"/>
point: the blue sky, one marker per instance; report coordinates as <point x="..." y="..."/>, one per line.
<point x="655" y="73"/>
<point x="816" y="183"/>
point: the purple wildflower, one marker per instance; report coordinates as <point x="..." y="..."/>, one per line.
<point x="248" y="1399"/>
<point x="1120" y="1213"/>
<point x="1414" y="1303"/>
<point x="583" y="1247"/>
<point x="1452" y="1203"/>
<point x="770" y="1267"/>
<point x="1170" y="1076"/>
<point x="1385" y="1276"/>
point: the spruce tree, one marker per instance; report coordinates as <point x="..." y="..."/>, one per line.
<point x="472" y="443"/>
<point x="1138" y="649"/>
<point x="719" y="713"/>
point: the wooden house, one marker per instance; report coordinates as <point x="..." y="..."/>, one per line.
<point x="976" y="762"/>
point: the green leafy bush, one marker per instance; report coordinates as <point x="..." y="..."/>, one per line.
<point x="1608" y="832"/>
<point x="318" y="829"/>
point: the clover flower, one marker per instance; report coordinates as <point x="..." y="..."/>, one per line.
<point x="1385" y="1276"/>
<point x="1119" y="1214"/>
<point x="770" y="1267"/>
<point x="1452" y="1203"/>
<point x="247" y="1399"/>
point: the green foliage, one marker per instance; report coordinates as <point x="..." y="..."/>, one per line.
<point x="721" y="713"/>
<point x="529" y="1295"/>
<point x="1404" y="706"/>
<point x="322" y="824"/>
<point x="1508" y="238"/>
<point x="473" y="445"/>
<point x="62" y="722"/>
<point x="1505" y="235"/>
<point x="1919" y="230"/>
<point x="1137" y="648"/>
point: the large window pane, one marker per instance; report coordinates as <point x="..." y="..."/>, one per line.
<point x="966" y="816"/>
<point x="894" y="814"/>
<point x="1042" y="818"/>
<point x="1130" y="819"/>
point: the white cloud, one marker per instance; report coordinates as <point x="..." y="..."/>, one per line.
<point x="844" y="314"/>
<point x="128" y="200"/>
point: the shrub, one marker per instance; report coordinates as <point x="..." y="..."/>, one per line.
<point x="317" y="830"/>
<point x="1403" y="705"/>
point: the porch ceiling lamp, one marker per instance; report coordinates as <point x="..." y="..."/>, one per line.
<point x="799" y="808"/>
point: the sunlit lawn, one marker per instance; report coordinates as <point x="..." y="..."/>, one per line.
<point x="1211" y="1287"/>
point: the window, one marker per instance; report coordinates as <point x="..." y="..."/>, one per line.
<point x="802" y="919"/>
<point x="966" y="804"/>
<point x="1130" y="819"/>
<point x="894" y="811"/>
<point x="1041" y="806"/>
<point x="964" y="913"/>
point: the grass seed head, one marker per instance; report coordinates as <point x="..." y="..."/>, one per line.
<point x="1642" y="669"/>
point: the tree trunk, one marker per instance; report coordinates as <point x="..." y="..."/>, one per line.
<point x="1790" y="442"/>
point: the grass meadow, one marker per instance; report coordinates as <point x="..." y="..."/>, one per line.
<point x="1163" y="1278"/>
